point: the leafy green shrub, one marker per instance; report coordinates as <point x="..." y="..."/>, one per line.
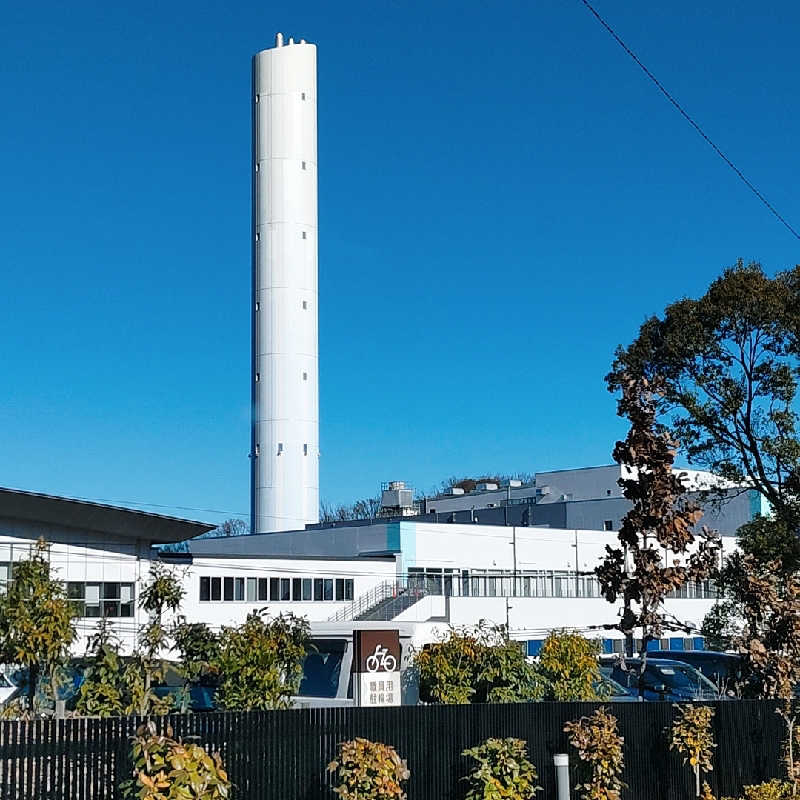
<point x="503" y="771"/>
<point x="770" y="790"/>
<point x="366" y="770"/>
<point x="476" y="665"/>
<point x="568" y="667"/>
<point x="168" y="769"/>
<point x="599" y="746"/>
<point x="261" y="661"/>
<point x="102" y="692"/>
<point x="693" y="738"/>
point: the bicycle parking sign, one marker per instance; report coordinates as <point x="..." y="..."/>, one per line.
<point x="376" y="665"/>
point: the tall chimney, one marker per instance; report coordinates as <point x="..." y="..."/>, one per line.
<point x="284" y="449"/>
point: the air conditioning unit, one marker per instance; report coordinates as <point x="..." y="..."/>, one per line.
<point x="486" y="487"/>
<point x="455" y="490"/>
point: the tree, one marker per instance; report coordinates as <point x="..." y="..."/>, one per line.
<point x="660" y="520"/>
<point x="198" y="648"/>
<point x="162" y="594"/>
<point x="476" y="665"/>
<point x="599" y="747"/>
<point x="102" y="693"/>
<point x="231" y="527"/>
<point x="728" y="366"/>
<point x="367" y="508"/>
<point x="261" y="661"/>
<point x="36" y="621"/>
<point x="568" y="667"/>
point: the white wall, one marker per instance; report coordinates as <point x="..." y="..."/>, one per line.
<point x="86" y="558"/>
<point x="366" y="574"/>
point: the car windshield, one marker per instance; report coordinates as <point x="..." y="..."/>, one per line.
<point x="680" y="677"/>
<point x="610" y="687"/>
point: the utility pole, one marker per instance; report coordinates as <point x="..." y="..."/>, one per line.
<point x="577" y="578"/>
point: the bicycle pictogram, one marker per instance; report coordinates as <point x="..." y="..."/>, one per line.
<point x="381" y="660"/>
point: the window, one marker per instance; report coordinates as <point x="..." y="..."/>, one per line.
<point x="318" y="589"/>
<point x="329" y="588"/>
<point x="608" y="492"/>
<point x="238" y="594"/>
<point x="340" y="588"/>
<point x="608" y="525"/>
<point x="304" y="164"/>
<point x="251" y="590"/>
<point x="280" y="447"/>
<point x="304" y="234"/>
<point x="305" y="376"/>
<point x="297" y="590"/>
<point x="263" y="590"/>
<point x="285" y="596"/>
<point x="305" y="449"/>
<point x="307" y="589"/>
<point x="274" y="589"/>
<point x="227" y="590"/>
<point x="205" y="589"/>
<point x="216" y="589"/>
<point x="348" y="589"/>
<point x="302" y="96"/>
<point x="305" y="305"/>
<point x="102" y="599"/>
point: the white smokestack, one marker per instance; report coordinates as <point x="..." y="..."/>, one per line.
<point x="285" y="394"/>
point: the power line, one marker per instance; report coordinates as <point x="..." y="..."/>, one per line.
<point x="689" y="119"/>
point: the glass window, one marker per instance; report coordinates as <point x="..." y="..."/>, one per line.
<point x="75" y="591"/>
<point x="263" y="589"/>
<point x="348" y="589"/>
<point x="285" y="583"/>
<point x="111" y="591"/>
<point x="340" y="588"/>
<point x="318" y="588"/>
<point x="329" y="588"/>
<point x="274" y="589"/>
<point x="307" y="595"/>
<point x="297" y="589"/>
<point x="238" y="594"/>
<point x="227" y="589"/>
<point x="251" y="590"/>
<point x="92" y="599"/>
<point x="216" y="588"/>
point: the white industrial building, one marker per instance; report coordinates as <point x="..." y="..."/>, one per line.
<point x="102" y="553"/>
<point x="419" y="578"/>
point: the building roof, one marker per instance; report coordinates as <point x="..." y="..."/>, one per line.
<point x="88" y="516"/>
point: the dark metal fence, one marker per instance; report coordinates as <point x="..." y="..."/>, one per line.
<point x="281" y="755"/>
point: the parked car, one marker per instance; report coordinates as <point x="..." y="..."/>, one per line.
<point x="613" y="691"/>
<point x="724" y="670"/>
<point x="662" y="680"/>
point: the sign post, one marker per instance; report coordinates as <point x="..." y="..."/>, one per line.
<point x="376" y="667"/>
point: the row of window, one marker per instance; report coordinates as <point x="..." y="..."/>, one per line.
<point x="102" y="599"/>
<point x="526" y="583"/>
<point x="259" y="590"/>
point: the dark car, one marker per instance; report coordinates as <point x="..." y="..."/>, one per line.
<point x="724" y="670"/>
<point x="662" y="680"/>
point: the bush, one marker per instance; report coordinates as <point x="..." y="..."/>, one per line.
<point x="600" y="747"/>
<point x="368" y="770"/>
<point x="770" y="790"/>
<point x="168" y="769"/>
<point x="476" y="665"/>
<point x="503" y="771"/>
<point x="568" y="667"/>
<point x="693" y="738"/>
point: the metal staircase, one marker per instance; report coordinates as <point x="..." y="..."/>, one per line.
<point x="382" y="603"/>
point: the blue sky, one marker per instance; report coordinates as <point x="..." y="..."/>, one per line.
<point x="503" y="198"/>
